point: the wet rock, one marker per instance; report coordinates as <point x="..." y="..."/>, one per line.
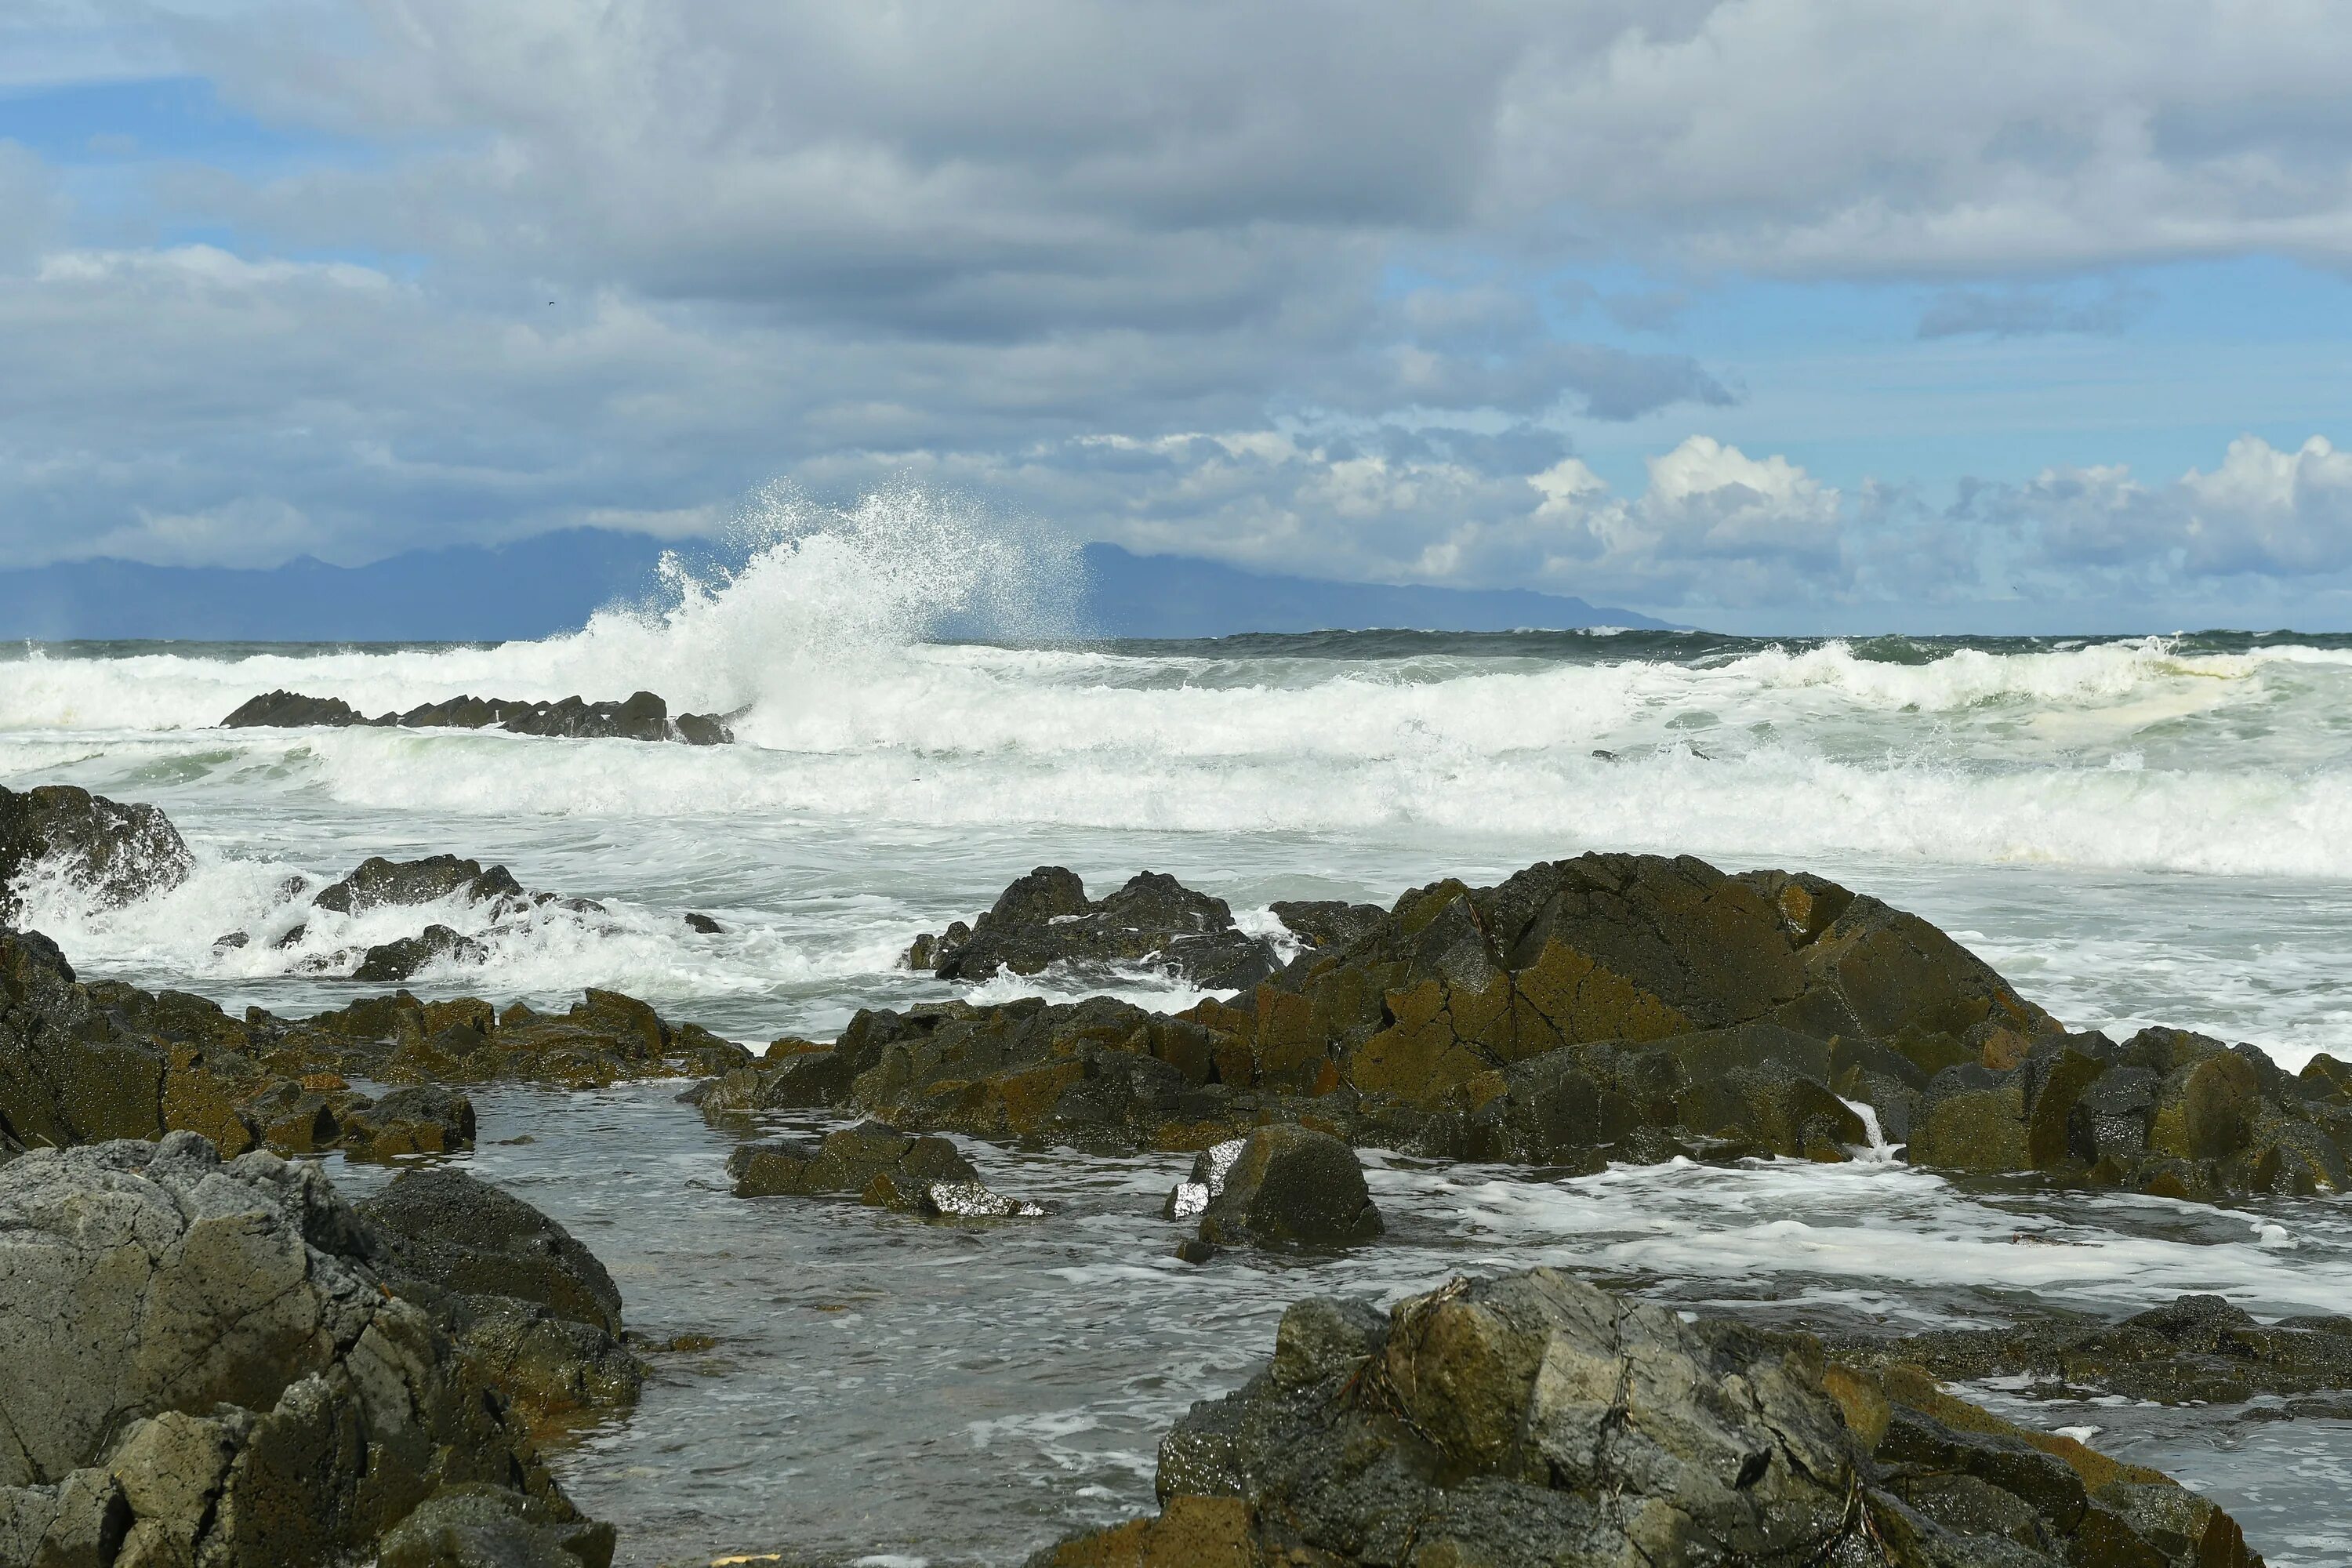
<point x="465" y="1235"/>
<point x="533" y="1309"/>
<point x="1328" y="924"/>
<point x="2192" y="1350"/>
<point x="1541" y="1421"/>
<point x="278" y="1404"/>
<point x="1046" y="918"/>
<point x="1610" y="1007"/>
<point x="704" y="924"/>
<point x="83" y="1063"/>
<point x="378" y="882"/>
<point x="882" y="1166"/>
<point x="487" y="1527"/>
<point x="1282" y="1185"/>
<point x="605" y="1038"/>
<point x="1536" y="1420"/>
<point x="644" y="716"/>
<point x="283" y="709"/>
<point x="394" y="961"/>
<point x="114" y="852"/>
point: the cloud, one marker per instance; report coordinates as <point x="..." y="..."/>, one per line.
<point x="2029" y="312"/>
<point x="2262" y="512"/>
<point x="1265" y="281"/>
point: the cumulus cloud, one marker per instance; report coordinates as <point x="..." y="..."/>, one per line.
<point x="2261" y="512"/>
<point x="1038" y="248"/>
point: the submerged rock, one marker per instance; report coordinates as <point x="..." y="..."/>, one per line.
<point x="115" y="852"/>
<point x="533" y="1309"/>
<point x="1537" y="1420"/>
<point x="642" y="717"/>
<point x="205" y="1368"/>
<point x="1046" y="918"/>
<point x="882" y="1166"/>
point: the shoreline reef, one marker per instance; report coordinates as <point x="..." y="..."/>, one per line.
<point x="313" y="1379"/>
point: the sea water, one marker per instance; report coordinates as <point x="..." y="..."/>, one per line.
<point x="2133" y="830"/>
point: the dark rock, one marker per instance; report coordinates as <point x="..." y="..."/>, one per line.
<point x="1328" y="924"/>
<point x="477" y="1526"/>
<point x="378" y="882"/>
<point x="642" y="717"/>
<point x="1282" y="1185"/>
<point x="421" y="1119"/>
<point x="2193" y="1350"/>
<point x="704" y="924"/>
<point x="1046" y="918"/>
<point x="230" y="941"/>
<point x="282" y="1405"/>
<point x="535" y="1312"/>
<point x="291" y="711"/>
<point x="1609" y="1007"/>
<point x="394" y="961"/>
<point x="882" y="1166"/>
<point x="464" y="1235"/>
<point x="1536" y="1420"/>
<point x="114" y="852"/>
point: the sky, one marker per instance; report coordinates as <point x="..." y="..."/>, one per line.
<point x="1768" y="315"/>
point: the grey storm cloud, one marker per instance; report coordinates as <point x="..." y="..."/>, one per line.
<point x="1285" y="283"/>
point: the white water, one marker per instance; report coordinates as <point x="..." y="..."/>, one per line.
<point x="2157" y="830"/>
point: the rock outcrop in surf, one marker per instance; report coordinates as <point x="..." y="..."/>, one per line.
<point x="491" y="893"/>
<point x="85" y="1063"/>
<point x="112" y="851"/>
<point x="205" y="1367"/>
<point x="1045" y="919"/>
<point x="1535" y="1419"/>
<point x="81" y="1063"/>
<point x="641" y="717"/>
<point x="1608" y="1007"/>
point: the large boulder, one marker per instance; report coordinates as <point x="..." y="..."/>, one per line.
<point x="205" y="1368"/>
<point x="1045" y="919"/>
<point x="113" y="851"/>
<point x="533" y="1309"/>
<point x="1537" y="1420"/>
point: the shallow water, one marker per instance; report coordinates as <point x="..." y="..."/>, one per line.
<point x="964" y="1394"/>
<point x="2133" y="830"/>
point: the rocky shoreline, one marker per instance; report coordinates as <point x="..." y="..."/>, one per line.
<point x="391" y="1385"/>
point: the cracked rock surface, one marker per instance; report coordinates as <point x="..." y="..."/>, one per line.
<point x="205" y="1370"/>
<point x="1535" y="1419"/>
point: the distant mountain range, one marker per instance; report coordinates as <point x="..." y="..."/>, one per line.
<point x="1131" y="595"/>
<point x="554" y="582"/>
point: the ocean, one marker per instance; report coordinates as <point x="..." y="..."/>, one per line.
<point x="2133" y="830"/>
